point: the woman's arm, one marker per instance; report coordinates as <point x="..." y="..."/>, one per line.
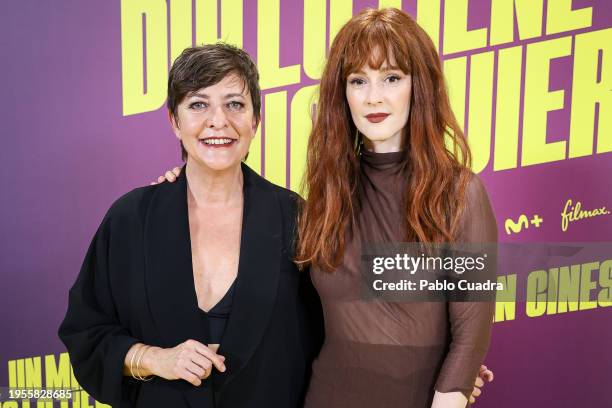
<point x="103" y="352"/>
<point x="470" y="330"/>
<point x="97" y="343"/>
<point x="456" y="398"/>
<point x="470" y="322"/>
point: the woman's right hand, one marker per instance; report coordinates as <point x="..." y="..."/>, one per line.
<point x="170" y="176"/>
<point x="191" y="361"/>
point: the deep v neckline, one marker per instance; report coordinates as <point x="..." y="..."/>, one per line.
<point x="218" y="309"/>
<point x="240" y="233"/>
<point x="169" y="278"/>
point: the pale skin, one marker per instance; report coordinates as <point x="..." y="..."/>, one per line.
<point x="386" y="91"/>
<point x="216" y="125"/>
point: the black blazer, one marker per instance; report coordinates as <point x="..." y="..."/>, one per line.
<point x="136" y="285"/>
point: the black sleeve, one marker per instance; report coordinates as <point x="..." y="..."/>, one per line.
<point x="308" y="294"/>
<point x="96" y="341"/>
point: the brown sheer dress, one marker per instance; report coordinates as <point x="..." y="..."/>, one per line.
<point x="389" y="354"/>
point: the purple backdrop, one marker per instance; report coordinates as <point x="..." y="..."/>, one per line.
<point x="69" y="153"/>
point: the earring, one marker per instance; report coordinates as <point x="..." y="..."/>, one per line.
<point x="358" y="142"/>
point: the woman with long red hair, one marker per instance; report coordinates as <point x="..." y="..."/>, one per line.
<point x="388" y="162"/>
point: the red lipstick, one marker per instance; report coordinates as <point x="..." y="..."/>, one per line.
<point x="377" y="117"/>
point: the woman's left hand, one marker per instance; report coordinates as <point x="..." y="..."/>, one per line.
<point x="484" y="375"/>
<point x="169" y="176"/>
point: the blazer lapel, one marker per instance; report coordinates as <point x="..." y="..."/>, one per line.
<point x="258" y="274"/>
<point x="169" y="276"/>
<point x="169" y="270"/>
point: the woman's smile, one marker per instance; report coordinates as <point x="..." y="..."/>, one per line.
<point x="218" y="142"/>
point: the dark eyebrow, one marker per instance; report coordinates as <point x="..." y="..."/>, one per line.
<point x="201" y="95"/>
<point x="205" y="96"/>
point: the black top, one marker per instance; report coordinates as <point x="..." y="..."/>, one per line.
<point x="136" y="285"/>
<point x="216" y="318"/>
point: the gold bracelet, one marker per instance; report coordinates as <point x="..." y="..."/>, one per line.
<point x="140" y="377"/>
<point x="132" y="362"/>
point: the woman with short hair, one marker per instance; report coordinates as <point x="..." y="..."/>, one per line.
<point x="188" y="294"/>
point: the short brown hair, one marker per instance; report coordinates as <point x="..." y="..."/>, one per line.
<point x="206" y="65"/>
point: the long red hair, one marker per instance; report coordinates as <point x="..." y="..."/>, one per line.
<point x="438" y="155"/>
